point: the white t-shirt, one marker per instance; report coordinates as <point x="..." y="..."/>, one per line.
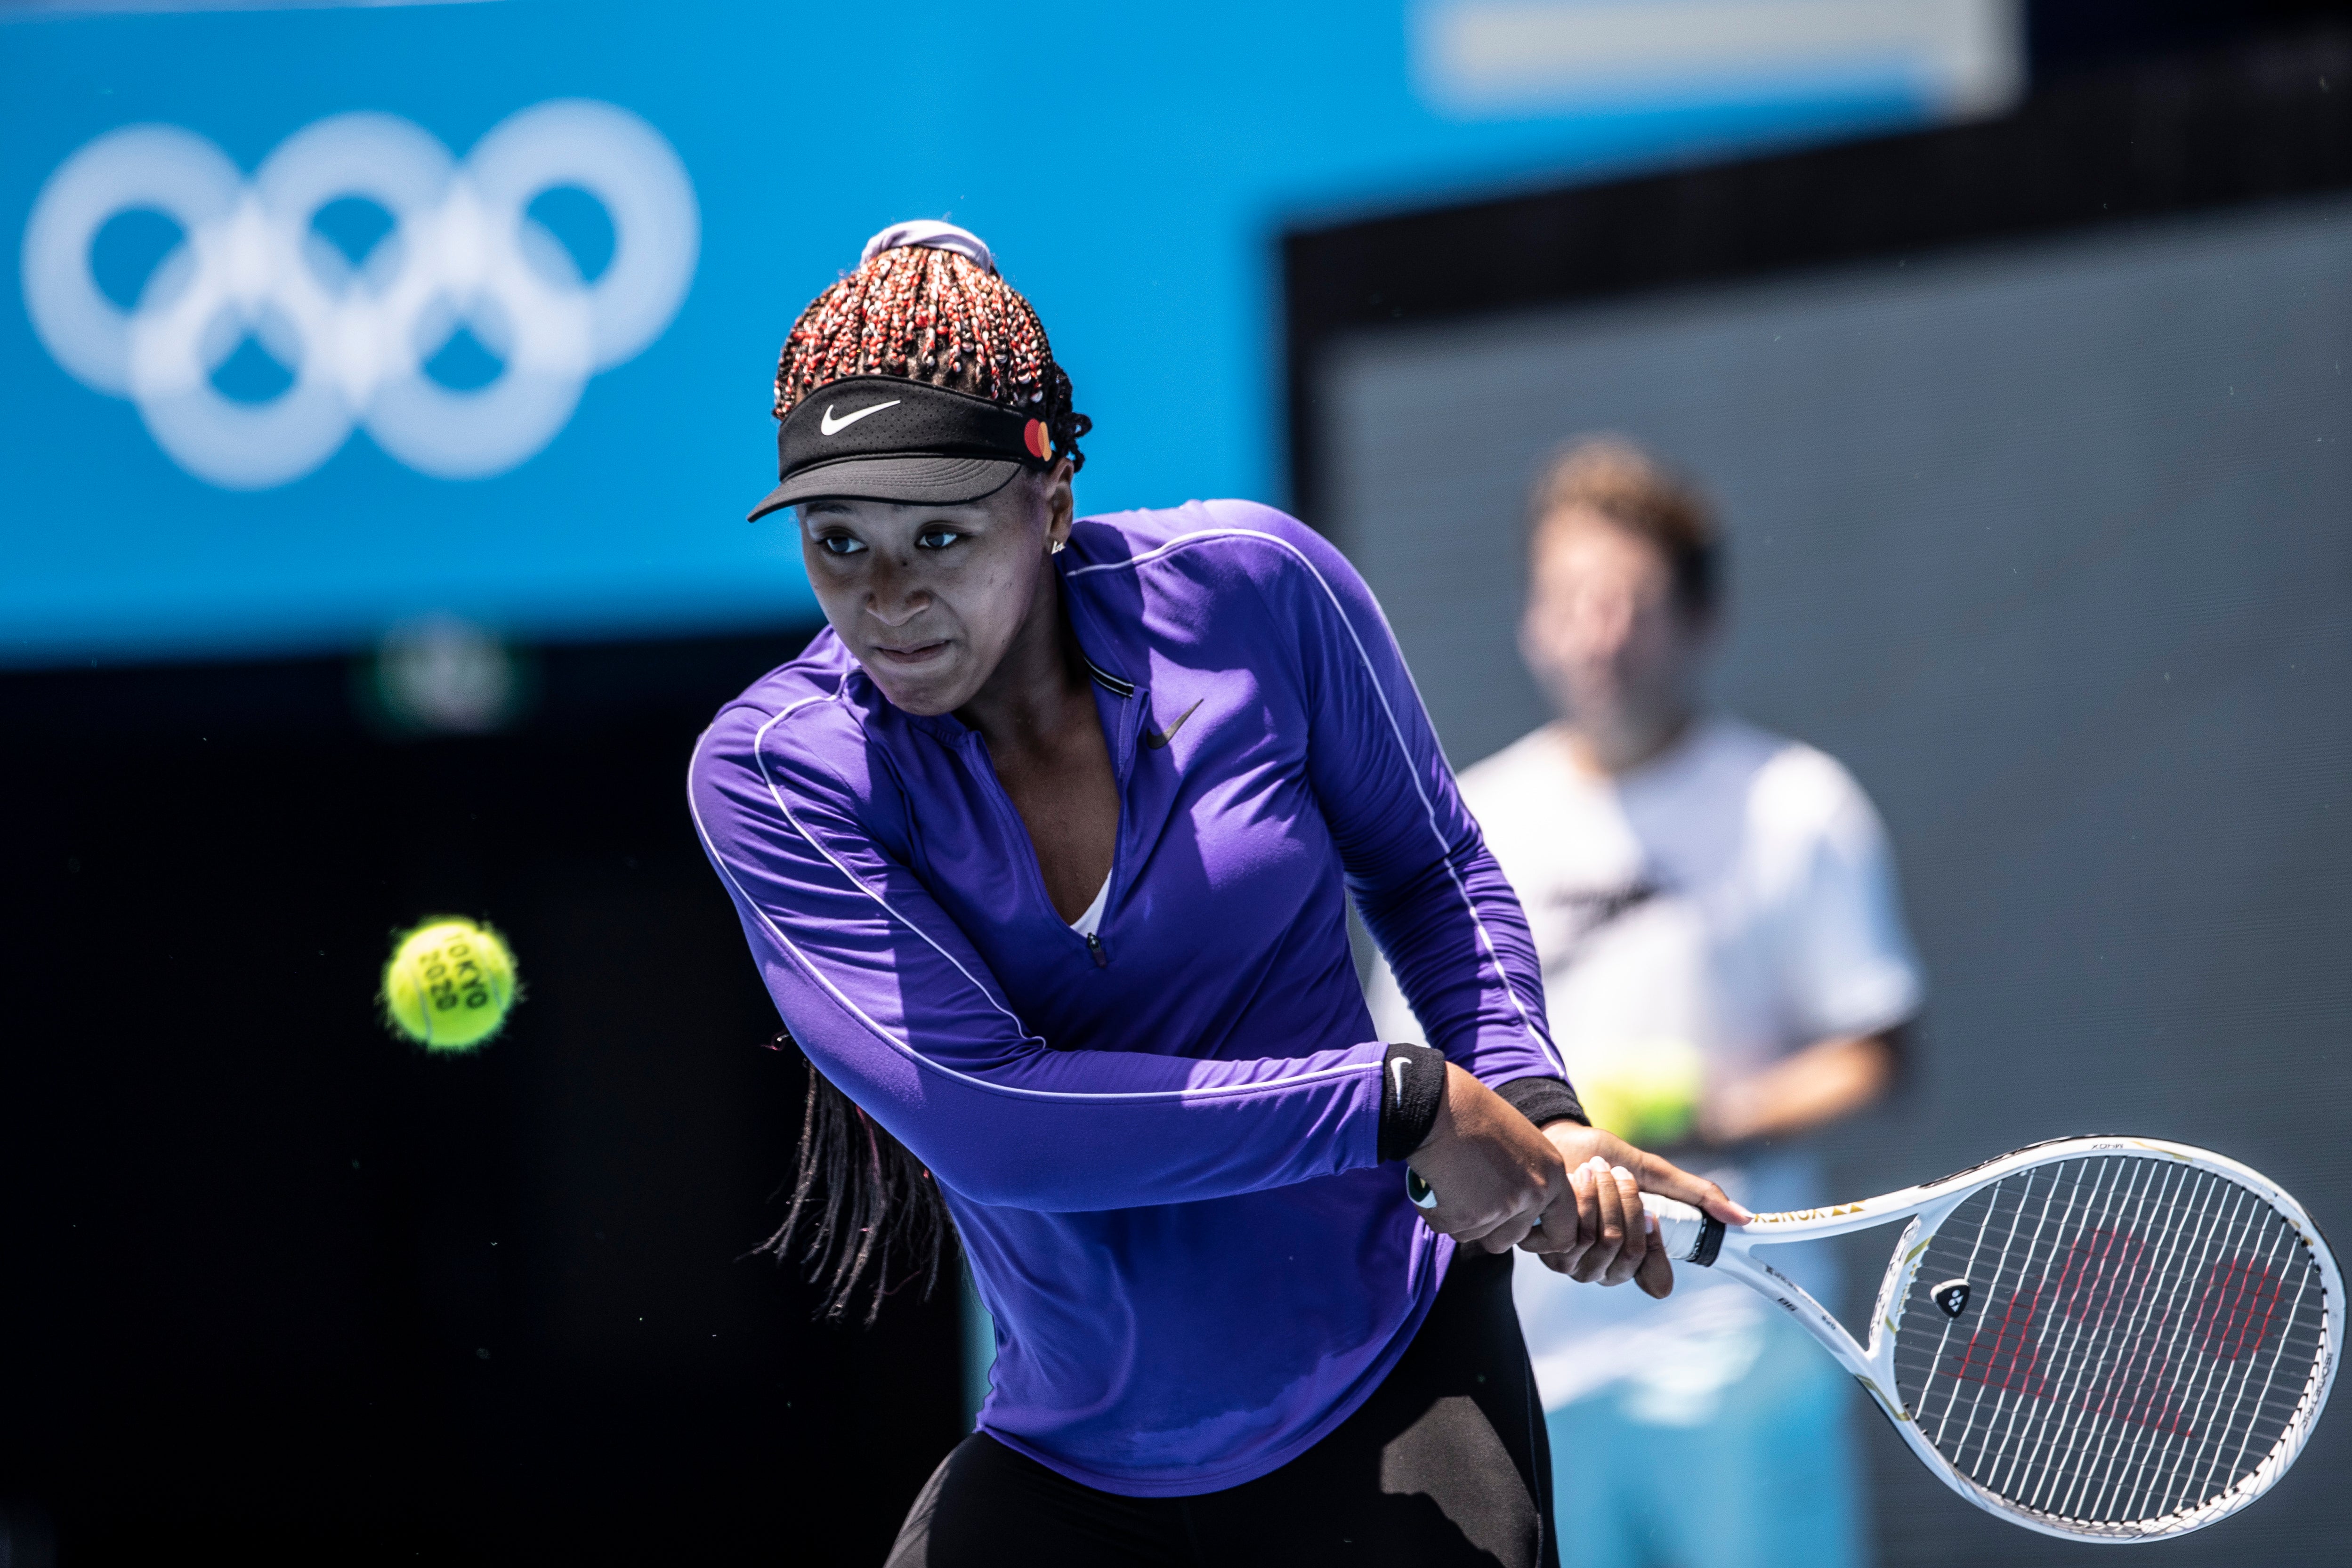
<point x="1727" y="904"/>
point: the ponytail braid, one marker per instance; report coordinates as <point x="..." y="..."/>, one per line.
<point x="867" y="1219"/>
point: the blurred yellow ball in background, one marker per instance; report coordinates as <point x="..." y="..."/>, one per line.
<point x="1646" y="1091"/>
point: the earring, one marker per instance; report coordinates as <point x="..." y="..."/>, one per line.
<point x="1057" y="547"/>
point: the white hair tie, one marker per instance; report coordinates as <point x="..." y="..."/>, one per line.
<point x="930" y="234"/>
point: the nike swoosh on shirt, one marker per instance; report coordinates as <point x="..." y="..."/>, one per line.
<point x="830" y="426"/>
<point x="1155" y="739"/>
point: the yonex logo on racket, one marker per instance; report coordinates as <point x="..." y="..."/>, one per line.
<point x="462" y="251"/>
<point x="1798" y="1216"/>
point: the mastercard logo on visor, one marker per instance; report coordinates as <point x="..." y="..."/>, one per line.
<point x="1039" y="440"/>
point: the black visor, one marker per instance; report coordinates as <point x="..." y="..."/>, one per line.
<point x="883" y="438"/>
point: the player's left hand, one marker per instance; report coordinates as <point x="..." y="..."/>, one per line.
<point x="1596" y="1231"/>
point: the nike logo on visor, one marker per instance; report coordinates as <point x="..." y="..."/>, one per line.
<point x="1155" y="739"/>
<point x="832" y="427"/>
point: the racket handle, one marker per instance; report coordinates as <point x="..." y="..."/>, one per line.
<point x="1689" y="1235"/>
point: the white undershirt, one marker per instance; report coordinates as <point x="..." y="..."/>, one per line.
<point x="1090" y="922"/>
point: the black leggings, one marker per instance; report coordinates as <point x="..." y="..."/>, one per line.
<point x="1446" y="1464"/>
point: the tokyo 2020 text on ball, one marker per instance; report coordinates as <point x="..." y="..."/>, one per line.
<point x="450" y="984"/>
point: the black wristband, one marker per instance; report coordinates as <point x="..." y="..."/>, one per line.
<point x="1412" y="1091"/>
<point x="1542" y="1100"/>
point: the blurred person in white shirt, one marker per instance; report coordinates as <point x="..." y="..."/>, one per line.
<point x="1727" y="970"/>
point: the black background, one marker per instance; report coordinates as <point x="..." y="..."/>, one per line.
<point x="280" y="1288"/>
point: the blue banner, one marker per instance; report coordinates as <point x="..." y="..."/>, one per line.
<point x="320" y="321"/>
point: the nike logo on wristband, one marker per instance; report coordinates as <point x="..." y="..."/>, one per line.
<point x="1157" y="739"/>
<point x="832" y="427"/>
<point x="1397" y="1070"/>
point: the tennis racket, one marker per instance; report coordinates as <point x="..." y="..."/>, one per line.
<point x="2104" y="1339"/>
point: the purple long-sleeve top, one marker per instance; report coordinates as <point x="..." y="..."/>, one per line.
<point x="1162" y="1149"/>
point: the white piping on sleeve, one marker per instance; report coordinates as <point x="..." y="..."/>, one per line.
<point x="906" y="1047"/>
<point x="1428" y="808"/>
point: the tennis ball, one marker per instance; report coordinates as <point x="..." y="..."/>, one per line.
<point x="450" y="984"/>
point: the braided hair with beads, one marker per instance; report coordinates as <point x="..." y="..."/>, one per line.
<point x="936" y="316"/>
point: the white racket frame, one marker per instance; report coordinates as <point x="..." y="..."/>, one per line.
<point x="1926" y="1207"/>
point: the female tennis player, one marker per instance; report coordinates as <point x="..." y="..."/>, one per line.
<point x="1044" y="850"/>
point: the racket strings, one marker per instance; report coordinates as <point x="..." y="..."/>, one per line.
<point x="2138" y="1337"/>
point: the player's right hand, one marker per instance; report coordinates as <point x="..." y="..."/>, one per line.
<point x="1597" y="1231"/>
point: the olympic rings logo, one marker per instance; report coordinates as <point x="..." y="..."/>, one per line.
<point x="463" y="251"/>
